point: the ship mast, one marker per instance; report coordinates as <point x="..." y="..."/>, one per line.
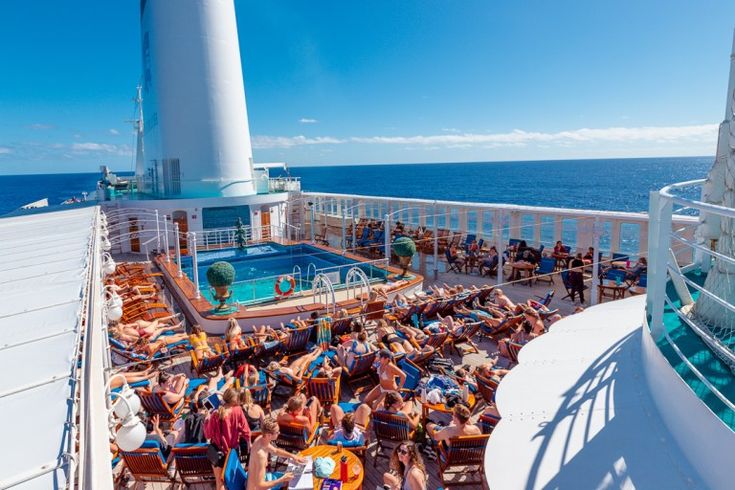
<point x="139" y="143"/>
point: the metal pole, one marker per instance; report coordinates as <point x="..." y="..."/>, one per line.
<point x="165" y="236"/>
<point x="344" y="231"/>
<point x="354" y="227"/>
<point x="193" y="253"/>
<point x="499" y="246"/>
<point x="595" y="262"/>
<point x="179" y="273"/>
<point x="386" y="226"/>
<point x="311" y="223"/>
<point x="436" y="244"/>
<point x="661" y="208"/>
<point x="158" y="234"/>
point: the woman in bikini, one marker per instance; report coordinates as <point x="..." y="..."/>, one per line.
<point x="233" y="336"/>
<point x="387" y="374"/>
<point x="348" y="351"/>
<point x="297" y="370"/>
<point x="390" y="338"/>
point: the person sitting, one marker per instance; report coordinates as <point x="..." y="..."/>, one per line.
<point x="297" y="370"/>
<point x="361" y="415"/>
<point x="350" y="435"/>
<point x="503" y="301"/>
<point x="390" y="338"/>
<point x="589" y="257"/>
<point x="194" y="421"/>
<point x="173" y="388"/>
<point x="326" y="370"/>
<point x="253" y="412"/>
<point x="301" y="411"/>
<point x="455" y="257"/>
<point x="394" y="403"/>
<point x="641" y="267"/>
<point x="260" y="452"/>
<point x="532" y="316"/>
<point x="459" y="426"/>
<point x="488" y="370"/>
<point x="407" y="471"/>
<point x="233" y="336"/>
<point x="226" y="428"/>
<point x="490" y="261"/>
<point x="387" y="373"/>
<point x="198" y="341"/>
<point x="559" y="250"/>
<point x="521" y="336"/>
<point x="249" y="374"/>
<point x="347" y="351"/>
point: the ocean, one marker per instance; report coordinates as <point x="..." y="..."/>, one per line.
<point x="610" y="184"/>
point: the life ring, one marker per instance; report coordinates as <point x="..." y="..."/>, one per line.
<point x="285" y="286"/>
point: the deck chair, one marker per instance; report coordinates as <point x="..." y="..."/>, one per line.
<point x="326" y="390"/>
<point x="233" y="473"/>
<point x="545" y="300"/>
<point x="513" y="350"/>
<point x="486" y="387"/>
<point x="154" y="404"/>
<point x="437" y="340"/>
<point x="487" y="423"/>
<point x="545" y="269"/>
<point x="192" y="465"/>
<point x="432" y="308"/>
<point x="413" y="377"/>
<point x="618" y="257"/>
<point x="442" y="239"/>
<point x="298" y="340"/>
<point x="468" y="241"/>
<point x="567" y="285"/>
<point x="390" y="429"/>
<point x="640" y="286"/>
<point x="452" y="262"/>
<point x="465" y="337"/>
<point x="362" y="367"/>
<point x="296" y="437"/>
<point x="341" y="327"/>
<point x="206" y="364"/>
<point x="374" y="310"/>
<point x="467" y="452"/>
<point x="147" y="464"/>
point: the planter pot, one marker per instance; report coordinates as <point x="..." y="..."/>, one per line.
<point x="222" y="291"/>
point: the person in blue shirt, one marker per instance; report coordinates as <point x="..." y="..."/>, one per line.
<point x="349" y="435"/>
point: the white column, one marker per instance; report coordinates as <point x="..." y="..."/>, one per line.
<point x="478" y="224"/>
<point x="179" y="273"/>
<point x="387" y="237"/>
<point x="344" y="230"/>
<point x="158" y="234"/>
<point x="537" y="229"/>
<point x="436" y="242"/>
<point x="558" y="228"/>
<point x="500" y="214"/>
<point x="311" y="221"/>
<point x="615" y="236"/>
<point x="463" y="226"/>
<point x="195" y="267"/>
<point x="596" y="230"/>
<point x="515" y="224"/>
<point x="165" y="236"/>
<point x="659" y="243"/>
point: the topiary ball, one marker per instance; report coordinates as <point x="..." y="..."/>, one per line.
<point x="404" y="247"/>
<point x="220" y="274"/>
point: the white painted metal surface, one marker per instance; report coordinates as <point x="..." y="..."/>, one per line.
<point x="194" y="99"/>
<point x="577" y="412"/>
<point x="41" y="313"/>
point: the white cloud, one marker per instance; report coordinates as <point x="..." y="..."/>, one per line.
<point x="41" y="126"/>
<point x="4" y="150"/>
<point x="114" y="131"/>
<point x="101" y="148"/>
<point x="701" y="133"/>
<point x="308" y="120"/>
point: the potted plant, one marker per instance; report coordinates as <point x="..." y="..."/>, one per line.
<point x="220" y="276"/>
<point x="404" y="248"/>
<point x="240" y="234"/>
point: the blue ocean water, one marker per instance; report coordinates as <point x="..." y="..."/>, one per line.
<point x="612" y="184"/>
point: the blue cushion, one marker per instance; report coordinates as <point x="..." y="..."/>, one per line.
<point x="348" y="406"/>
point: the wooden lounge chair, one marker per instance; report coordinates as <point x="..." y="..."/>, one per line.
<point x="154" y="404"/>
<point x="437" y="340"/>
<point x="147" y="464"/>
<point x="298" y="340"/>
<point x="486" y="387"/>
<point x="470" y="329"/>
<point x="362" y="368"/>
<point x="374" y="310"/>
<point x="390" y="429"/>
<point x="207" y="364"/>
<point x="513" y="350"/>
<point x="296" y="437"/>
<point x="341" y="327"/>
<point x="467" y="452"/>
<point x="487" y="423"/>
<point x="192" y="465"/>
<point x="326" y="390"/>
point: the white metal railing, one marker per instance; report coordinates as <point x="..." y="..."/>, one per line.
<point x="666" y="244"/>
<point x="357" y="283"/>
<point x="284" y="184"/>
<point x="323" y="292"/>
<point x="253" y="292"/>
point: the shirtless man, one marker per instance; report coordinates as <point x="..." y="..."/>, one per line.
<point x="258" y="477"/>
<point x="458" y="427"/>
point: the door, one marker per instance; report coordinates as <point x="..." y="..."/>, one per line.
<point x="265" y="223"/>
<point x="134" y="238"/>
<point x="179" y="217"/>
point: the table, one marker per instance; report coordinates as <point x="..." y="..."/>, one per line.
<point x="442" y="407"/>
<point x="519" y="267"/>
<point x="324" y="451"/>
<point x="617" y="290"/>
<point x="621" y="264"/>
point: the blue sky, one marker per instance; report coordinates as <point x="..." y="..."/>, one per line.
<point x="389" y="81"/>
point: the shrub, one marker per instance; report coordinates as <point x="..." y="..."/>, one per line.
<point x="404" y="247"/>
<point x="220" y="274"/>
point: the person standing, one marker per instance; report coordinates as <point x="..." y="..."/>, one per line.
<point x="576" y="277"/>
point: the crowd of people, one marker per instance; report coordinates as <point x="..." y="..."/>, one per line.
<point x="222" y="404"/>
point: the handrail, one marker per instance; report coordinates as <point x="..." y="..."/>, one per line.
<point x="357" y="275"/>
<point x="323" y="285"/>
<point x="704" y="206"/>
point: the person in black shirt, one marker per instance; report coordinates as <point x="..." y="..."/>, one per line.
<point x="576" y="279"/>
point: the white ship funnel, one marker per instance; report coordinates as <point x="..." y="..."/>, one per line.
<point x="197" y="140"/>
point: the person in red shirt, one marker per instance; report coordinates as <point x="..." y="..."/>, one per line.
<point x="226" y="428"/>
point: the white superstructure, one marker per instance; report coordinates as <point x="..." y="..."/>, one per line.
<point x="197" y="140"/>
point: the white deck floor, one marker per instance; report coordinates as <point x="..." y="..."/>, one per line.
<point x="577" y="413"/>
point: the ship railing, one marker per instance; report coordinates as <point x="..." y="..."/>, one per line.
<point x="284" y="184"/>
<point x="214" y="238"/>
<point x="247" y="290"/>
<point x="667" y="244"/>
<point x="617" y="231"/>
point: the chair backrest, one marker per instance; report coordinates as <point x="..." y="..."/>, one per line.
<point x="390" y="426"/>
<point x="154" y="404"/>
<point x="466" y="450"/>
<point x="618" y="256"/>
<point x="565" y="279"/>
<point x="146" y="463"/>
<point x="233" y="473"/>
<point x="643" y="280"/>
<point x="375" y="310"/>
<point x="436" y="340"/>
<point x="546" y="266"/>
<point x="192" y="463"/>
<point x="486" y="387"/>
<point x="413" y="373"/>
<point x="298" y="339"/>
<point x="567" y="249"/>
<point x="615" y="274"/>
<point x="448" y="256"/>
<point x="469" y="331"/>
<point x="362" y="364"/>
<point x="326" y="390"/>
<point x="480" y="243"/>
<point x="514" y="242"/>
<point x="293" y="436"/>
<point x="487" y="423"/>
<point x="261" y="395"/>
<point x="546" y="301"/>
<point x="513" y="350"/>
<point x="341" y="326"/>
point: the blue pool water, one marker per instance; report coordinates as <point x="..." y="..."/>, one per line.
<point x="258" y="266"/>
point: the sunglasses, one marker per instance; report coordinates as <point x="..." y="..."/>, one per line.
<point x="402" y="450"/>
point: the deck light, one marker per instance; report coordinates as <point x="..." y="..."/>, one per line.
<point x="132" y="432"/>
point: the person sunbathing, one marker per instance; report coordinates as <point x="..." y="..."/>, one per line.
<point x="393" y="403"/>
<point x="488" y="370"/>
<point x="131" y="377"/>
<point x="326" y="370"/>
<point x="233" y="336"/>
<point x="454" y="326"/>
<point x="537" y="324"/>
<point x="132" y="332"/>
<point x="349" y="434"/>
<point x="522" y="336"/>
<point x="390" y="338"/>
<point x="198" y="340"/>
<point x="348" y="351"/>
<point x="150" y="348"/>
<point x="412" y="333"/>
<point x="270" y="338"/>
<point x="301" y="411"/>
<point x="173" y="388"/>
<point x="387" y="373"/>
<point x="297" y="370"/>
<point x="459" y="426"/>
<point x="248" y="373"/>
<point x="503" y="301"/>
<point x="360" y="416"/>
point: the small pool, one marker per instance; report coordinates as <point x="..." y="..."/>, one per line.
<point x="258" y="266"/>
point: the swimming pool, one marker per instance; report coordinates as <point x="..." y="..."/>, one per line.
<point x="257" y="268"/>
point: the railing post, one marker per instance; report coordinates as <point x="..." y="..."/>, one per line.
<point x="435" y="222"/>
<point x="615" y="236"/>
<point x="659" y="244"/>
<point x="595" y="263"/>
<point x="311" y="223"/>
<point x="386" y="235"/>
<point x="158" y="234"/>
<point x="354" y="228"/>
<point x="165" y="236"/>
<point x="195" y="265"/>
<point x="499" y="245"/>
<point x="344" y="230"/>
<point x="179" y="273"/>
